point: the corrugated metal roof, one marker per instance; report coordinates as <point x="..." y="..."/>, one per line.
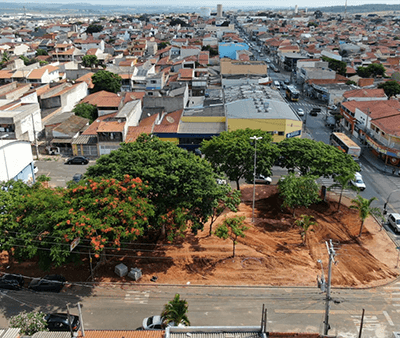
<point x="85" y="139"/>
<point x="45" y="334"/>
<point x="216" y="335"/>
<point x="10" y="333"/>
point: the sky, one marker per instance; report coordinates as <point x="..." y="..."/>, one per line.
<point x="226" y="3"/>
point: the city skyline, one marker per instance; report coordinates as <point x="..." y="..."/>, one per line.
<point x="226" y="3"/>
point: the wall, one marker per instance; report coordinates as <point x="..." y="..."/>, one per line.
<point x="200" y="119"/>
<point x="242" y="68"/>
<point x="15" y="157"/>
<point x="70" y="98"/>
<point x="268" y="125"/>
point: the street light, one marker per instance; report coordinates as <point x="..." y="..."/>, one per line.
<point x="387" y="201"/>
<point x="255" y="138"/>
<point x="4" y="155"/>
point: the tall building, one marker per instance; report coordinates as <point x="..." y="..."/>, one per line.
<point x="219" y="11"/>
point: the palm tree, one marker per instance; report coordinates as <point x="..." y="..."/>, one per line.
<point x="363" y="205"/>
<point x="305" y="223"/>
<point x="176" y="311"/>
<point x="343" y="181"/>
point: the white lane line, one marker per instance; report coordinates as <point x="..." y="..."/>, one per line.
<point x="388" y="318"/>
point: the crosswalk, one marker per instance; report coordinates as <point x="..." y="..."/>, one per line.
<point x="137" y="297"/>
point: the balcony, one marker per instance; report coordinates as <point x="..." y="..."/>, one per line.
<point x="383" y="142"/>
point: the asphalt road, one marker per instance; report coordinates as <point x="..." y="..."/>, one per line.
<point x="289" y="309"/>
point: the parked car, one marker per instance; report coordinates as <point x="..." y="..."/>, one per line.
<point x="77" y="160"/>
<point x="394" y="221"/>
<point x="330" y="122"/>
<point x="59" y="322"/>
<point x="11" y="282"/>
<point x="358" y="181"/>
<point x="333" y="107"/>
<point x="52" y="283"/>
<point x="261" y="179"/>
<point x="300" y="112"/>
<point x="153" y="323"/>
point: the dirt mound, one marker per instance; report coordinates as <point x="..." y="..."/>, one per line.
<point x="272" y="253"/>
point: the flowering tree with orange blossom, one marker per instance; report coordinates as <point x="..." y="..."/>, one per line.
<point x="42" y="222"/>
<point x="182" y="186"/>
<point x="106" y="211"/>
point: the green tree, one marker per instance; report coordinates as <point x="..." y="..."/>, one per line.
<point x="315" y="158"/>
<point x="364" y="72"/>
<point x="29" y="322"/>
<point x="41" y="222"/>
<point x="90" y="60"/>
<point x="175" y="312"/>
<point x="182" y="185"/>
<point x="350" y="82"/>
<point x="305" y="223"/>
<point x="391" y="88"/>
<point x="25" y="59"/>
<point x="232" y="228"/>
<point x="105" y="80"/>
<point x="5" y="57"/>
<point x="86" y="110"/>
<point x="41" y="52"/>
<point x="298" y="191"/>
<point x="376" y="69"/>
<point x="232" y="153"/>
<point x="336" y="65"/>
<point x="363" y="205"/>
<point x="229" y="199"/>
<point x="343" y="182"/>
<point x="94" y="29"/>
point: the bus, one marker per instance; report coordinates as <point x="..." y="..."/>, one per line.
<point x="345" y="144"/>
<point x="292" y="94"/>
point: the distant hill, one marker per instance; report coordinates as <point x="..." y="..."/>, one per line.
<point x="371" y="8"/>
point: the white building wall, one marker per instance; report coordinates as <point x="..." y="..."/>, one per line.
<point x="15" y="156"/>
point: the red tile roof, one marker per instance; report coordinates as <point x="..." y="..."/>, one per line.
<point x="103" y="99"/>
<point x="111" y="126"/>
<point x="170" y="123"/>
<point x="145" y="126"/>
<point x="92" y="129"/>
<point x="364" y="93"/>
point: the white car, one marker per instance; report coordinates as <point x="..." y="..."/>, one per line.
<point x="394" y="221"/>
<point x="300" y="112"/>
<point x="358" y="181"/>
<point x="153" y="323"/>
<point x="333" y="107"/>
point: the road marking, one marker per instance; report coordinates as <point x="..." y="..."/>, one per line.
<point x="388" y="318"/>
<point x="336" y="312"/>
<point x="137" y="297"/>
<point x="371" y="323"/>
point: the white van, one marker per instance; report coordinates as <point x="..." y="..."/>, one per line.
<point x="277" y="85"/>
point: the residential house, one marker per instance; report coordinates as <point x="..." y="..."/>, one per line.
<point x="46" y="74"/>
<point x="105" y="102"/>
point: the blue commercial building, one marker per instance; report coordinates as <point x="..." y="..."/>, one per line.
<point x="228" y="49"/>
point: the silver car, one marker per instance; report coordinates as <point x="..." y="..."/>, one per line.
<point x="394" y="221"/>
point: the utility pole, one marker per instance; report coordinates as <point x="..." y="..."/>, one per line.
<point x="332" y="254"/>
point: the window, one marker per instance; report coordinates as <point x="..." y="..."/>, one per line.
<point x="281" y="133"/>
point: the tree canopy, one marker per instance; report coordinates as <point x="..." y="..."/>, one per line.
<point x="90" y="60"/>
<point x="86" y="110"/>
<point x="336" y="65"/>
<point x="105" y="80"/>
<point x="298" y="191"/>
<point x="182" y="186"/>
<point x="315" y="158"/>
<point x="232" y="153"/>
<point x="374" y="69"/>
<point x="391" y="88"/>
<point x="94" y="29"/>
<point x="42" y="222"/>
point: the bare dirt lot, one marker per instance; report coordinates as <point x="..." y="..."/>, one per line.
<point x="272" y="253"/>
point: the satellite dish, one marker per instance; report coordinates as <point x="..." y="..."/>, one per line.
<point x="170" y="119"/>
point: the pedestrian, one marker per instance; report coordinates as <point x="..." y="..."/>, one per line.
<point x="393" y="170"/>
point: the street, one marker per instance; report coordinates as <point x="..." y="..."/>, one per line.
<point x="289" y="309"/>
